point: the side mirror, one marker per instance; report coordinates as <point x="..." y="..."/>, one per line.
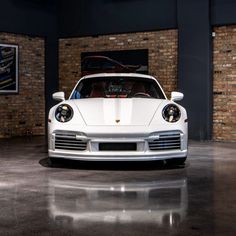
<point x="59" y="96"/>
<point x="176" y="96"/>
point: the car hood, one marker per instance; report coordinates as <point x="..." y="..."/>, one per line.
<point x="115" y="111"/>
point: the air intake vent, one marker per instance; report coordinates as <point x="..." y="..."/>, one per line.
<point x="167" y="141"/>
<point x="69" y="141"/>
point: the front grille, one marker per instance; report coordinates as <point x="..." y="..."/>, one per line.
<point x="168" y="141"/>
<point x="117" y="146"/>
<point x="68" y="141"/>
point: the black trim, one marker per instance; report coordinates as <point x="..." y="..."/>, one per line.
<point x="117" y="146"/>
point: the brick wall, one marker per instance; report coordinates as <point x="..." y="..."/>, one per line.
<point x="162" y="47"/>
<point x="224" y="83"/>
<point x="24" y="113"/>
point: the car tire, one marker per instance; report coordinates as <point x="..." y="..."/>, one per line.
<point x="53" y="162"/>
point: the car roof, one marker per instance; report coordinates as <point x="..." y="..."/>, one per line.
<point x="118" y="75"/>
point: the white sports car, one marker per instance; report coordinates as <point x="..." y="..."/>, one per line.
<point x="118" y="117"/>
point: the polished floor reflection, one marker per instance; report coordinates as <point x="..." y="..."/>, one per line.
<point x="161" y="202"/>
<point x="75" y="198"/>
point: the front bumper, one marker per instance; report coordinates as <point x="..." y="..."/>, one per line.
<point x="117" y="156"/>
<point x="143" y="152"/>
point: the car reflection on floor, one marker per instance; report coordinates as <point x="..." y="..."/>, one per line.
<point x="164" y="203"/>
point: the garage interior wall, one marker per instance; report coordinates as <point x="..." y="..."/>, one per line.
<point x="32" y="24"/>
<point x="224" y="83"/>
<point x="54" y="20"/>
<point x="24" y="113"/>
<point x="194" y="39"/>
<point x="162" y="53"/>
<point x="194" y="20"/>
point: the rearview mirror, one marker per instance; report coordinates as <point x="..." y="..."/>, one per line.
<point x="59" y="96"/>
<point x="176" y="96"/>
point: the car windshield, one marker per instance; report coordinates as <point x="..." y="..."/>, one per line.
<point x="117" y="87"/>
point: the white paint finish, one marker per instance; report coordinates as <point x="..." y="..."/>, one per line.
<point x="130" y="111"/>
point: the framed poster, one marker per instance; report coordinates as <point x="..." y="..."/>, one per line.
<point x="8" y="69"/>
<point x="125" y="61"/>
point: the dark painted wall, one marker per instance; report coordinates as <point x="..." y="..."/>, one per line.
<point x="35" y="18"/>
<point x="111" y="16"/>
<point x="82" y="17"/>
<point x="223" y="12"/>
<point x="195" y="65"/>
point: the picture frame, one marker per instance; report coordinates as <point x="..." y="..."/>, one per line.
<point x="9" y="79"/>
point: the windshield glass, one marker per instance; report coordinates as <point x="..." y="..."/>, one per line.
<point x="117" y="87"/>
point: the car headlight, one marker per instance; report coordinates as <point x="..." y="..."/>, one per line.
<point x="171" y="113"/>
<point x="64" y="113"/>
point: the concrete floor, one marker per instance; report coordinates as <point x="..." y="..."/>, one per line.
<point x="116" y="199"/>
